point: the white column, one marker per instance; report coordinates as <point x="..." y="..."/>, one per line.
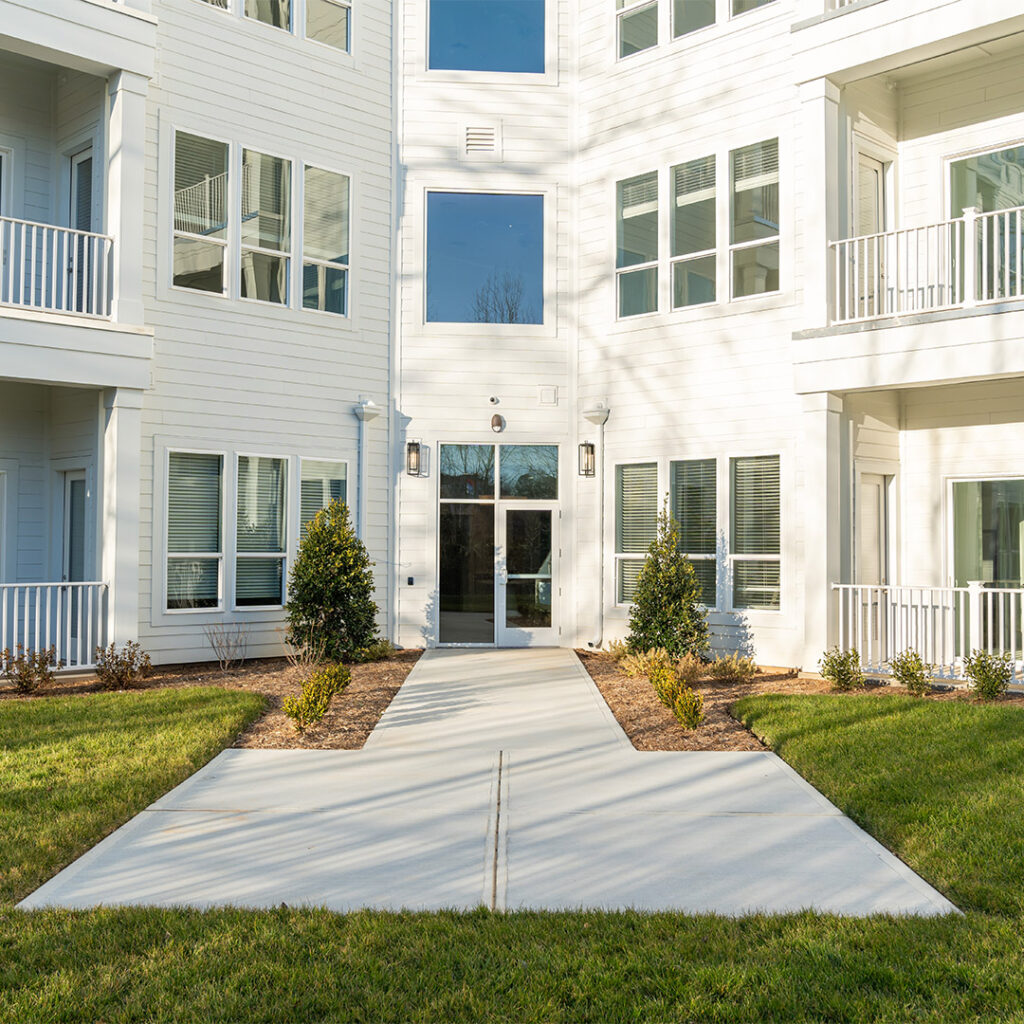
<point x="818" y="197"/>
<point x="822" y="453"/>
<point x="119" y="476"/>
<point x="126" y="139"/>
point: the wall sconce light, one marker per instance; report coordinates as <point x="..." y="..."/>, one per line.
<point x="588" y="458"/>
<point x="412" y="458"/>
<point x="497" y="423"/>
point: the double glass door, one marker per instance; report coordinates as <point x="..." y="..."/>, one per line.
<point x="498" y="547"/>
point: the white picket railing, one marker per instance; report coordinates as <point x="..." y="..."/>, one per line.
<point x="943" y="624"/>
<point x="69" y="617"/>
<point x="958" y="263"/>
<point x="55" y="269"/>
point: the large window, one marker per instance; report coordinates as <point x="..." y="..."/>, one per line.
<point x="636" y="523"/>
<point x="195" y="548"/>
<point x="266" y="227"/>
<point x="988" y="532"/>
<point x="693" y="232"/>
<point x="636" y="25"/>
<point x="329" y="22"/>
<point x="693" y="494"/>
<point x="756" y="522"/>
<point x="485" y="258"/>
<point x="200" y="212"/>
<point x="261" y="542"/>
<point x="320" y="483"/>
<point x="754" y="250"/>
<point x="987" y="181"/>
<point x="636" y="250"/>
<point x="325" y="235"/>
<point x="487" y="35"/>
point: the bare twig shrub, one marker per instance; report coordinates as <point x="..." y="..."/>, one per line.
<point x="229" y="640"/>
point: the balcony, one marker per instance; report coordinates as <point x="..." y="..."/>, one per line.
<point x="55" y="269"/>
<point x="69" y="619"/>
<point x="962" y="263"/>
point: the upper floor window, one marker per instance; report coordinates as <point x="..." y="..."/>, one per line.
<point x="271" y="12"/>
<point x="485" y="258"/>
<point x="694" y="233"/>
<point x="487" y="35"/>
<point x="636" y="25"/>
<point x="325" y="21"/>
<point x="266" y="227"/>
<point x="742" y="6"/>
<point x="637" y="244"/>
<point x="690" y="15"/>
<point x="200" y="212"/>
<point x="987" y="181"/>
<point x="325" y="241"/>
<point x="329" y="22"/>
<point x="754" y="249"/>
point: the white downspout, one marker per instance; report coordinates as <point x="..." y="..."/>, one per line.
<point x="598" y="415"/>
<point x="366" y="410"/>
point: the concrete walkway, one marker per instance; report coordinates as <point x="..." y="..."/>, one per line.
<point x="497" y="778"/>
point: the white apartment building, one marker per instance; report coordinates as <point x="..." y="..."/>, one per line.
<point x="509" y="275"/>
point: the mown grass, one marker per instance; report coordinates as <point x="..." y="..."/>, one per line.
<point x="940" y="783"/>
<point x="74" y="768"/>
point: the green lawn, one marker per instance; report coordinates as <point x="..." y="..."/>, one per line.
<point x="942" y="784"/>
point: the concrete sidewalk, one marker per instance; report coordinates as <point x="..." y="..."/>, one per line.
<point x="497" y="778"/>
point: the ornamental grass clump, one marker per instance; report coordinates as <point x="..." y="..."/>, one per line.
<point x="688" y="708"/>
<point x="732" y="668"/>
<point x="842" y="669"/>
<point x="330" y="589"/>
<point x="989" y="673"/>
<point x="667" y="611"/>
<point x="644" y="662"/>
<point x="690" y="668"/>
<point x="312" y="703"/>
<point x="909" y="669"/>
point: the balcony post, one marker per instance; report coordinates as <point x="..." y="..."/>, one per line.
<point x="822" y="522"/>
<point x="970" y="256"/>
<point x="818" y="212"/>
<point x="126" y="139"/>
<point x="121" y="430"/>
<point x="975" y="617"/>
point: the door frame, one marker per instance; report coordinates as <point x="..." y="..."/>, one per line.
<point x="508" y="636"/>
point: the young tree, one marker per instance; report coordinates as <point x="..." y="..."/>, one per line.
<point x="666" y="606"/>
<point x="330" y="589"/>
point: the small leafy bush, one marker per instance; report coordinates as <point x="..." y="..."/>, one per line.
<point x="330" y="588"/>
<point x="732" y="668"/>
<point x="618" y="649"/>
<point x="311" y="705"/>
<point x="643" y="662"/>
<point x="842" y="669"/>
<point x="665" y="682"/>
<point x="688" y="708"/>
<point x="690" y="668"/>
<point x="124" y="669"/>
<point x="28" y="670"/>
<point x="667" y="611"/>
<point x="909" y="669"/>
<point x="379" y="650"/>
<point x="989" y="673"/>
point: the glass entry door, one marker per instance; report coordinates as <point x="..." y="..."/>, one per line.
<point x="526" y="575"/>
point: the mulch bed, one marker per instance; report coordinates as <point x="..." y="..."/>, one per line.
<point x="349" y="720"/>
<point x="651" y="726"/>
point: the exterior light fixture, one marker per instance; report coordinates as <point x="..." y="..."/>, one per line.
<point x="588" y="458"/>
<point x="497" y="423"/>
<point x="412" y="458"/>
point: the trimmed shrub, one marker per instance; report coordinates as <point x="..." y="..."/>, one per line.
<point x="732" y="669"/>
<point x="842" y="669"/>
<point x="311" y="705"/>
<point x="330" y="589"/>
<point x="688" y="708"/>
<point x="666" y="611"/>
<point x="28" y="670"/>
<point x="690" y="668"/>
<point x="666" y="683"/>
<point x="910" y="670"/>
<point x="121" y="670"/>
<point x="989" y="673"/>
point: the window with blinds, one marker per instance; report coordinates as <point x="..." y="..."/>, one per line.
<point x="320" y="483"/>
<point x="693" y="232"/>
<point x="754" y="250"/>
<point x="260" y="525"/>
<point x="637" y="244"/>
<point x="195" y="547"/>
<point x="325" y="235"/>
<point x="636" y="523"/>
<point x="756" y="532"/>
<point x="694" y="506"/>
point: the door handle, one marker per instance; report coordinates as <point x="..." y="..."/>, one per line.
<point x="503" y="576"/>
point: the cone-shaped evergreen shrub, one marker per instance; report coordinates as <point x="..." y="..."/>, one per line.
<point x="666" y="606"/>
<point x="330" y="589"/>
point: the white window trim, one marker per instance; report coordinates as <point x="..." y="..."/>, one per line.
<point x="948" y="524"/>
<point x="283" y="555"/>
<point x="632" y="8"/>
<point x="300" y="243"/>
<point x="549" y="315"/>
<point x="655" y="264"/>
<point x="783" y="516"/>
<point x="242" y="248"/>
<point x="776" y="239"/>
<point x="295" y="499"/>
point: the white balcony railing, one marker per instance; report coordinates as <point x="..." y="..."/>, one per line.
<point x="69" y="617"/>
<point x="973" y="259"/>
<point x="55" y="269"/>
<point x="943" y="624"/>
